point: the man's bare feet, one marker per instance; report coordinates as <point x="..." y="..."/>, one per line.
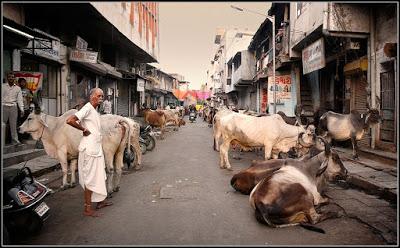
<point x="90" y="212"/>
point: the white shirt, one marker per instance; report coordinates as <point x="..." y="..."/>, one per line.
<point x="107" y="106"/>
<point x="90" y="119"/>
<point x="12" y="96"/>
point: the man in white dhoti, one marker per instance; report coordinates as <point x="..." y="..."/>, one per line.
<point x="91" y="165"/>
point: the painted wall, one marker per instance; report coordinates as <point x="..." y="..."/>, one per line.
<point x="138" y="21"/>
<point x="348" y="18"/>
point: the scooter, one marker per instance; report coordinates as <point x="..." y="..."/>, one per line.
<point x="24" y="209"/>
<point x="192" y="116"/>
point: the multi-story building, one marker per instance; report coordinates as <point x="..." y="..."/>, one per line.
<point x="348" y="60"/>
<point x="77" y="46"/>
<point x="228" y="43"/>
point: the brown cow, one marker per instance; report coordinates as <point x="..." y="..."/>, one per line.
<point x="155" y="118"/>
<point x="287" y="197"/>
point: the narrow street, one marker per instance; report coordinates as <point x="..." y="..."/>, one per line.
<point x="182" y="197"/>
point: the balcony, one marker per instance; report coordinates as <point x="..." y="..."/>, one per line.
<point x="243" y="68"/>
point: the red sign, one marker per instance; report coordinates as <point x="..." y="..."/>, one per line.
<point x="33" y="79"/>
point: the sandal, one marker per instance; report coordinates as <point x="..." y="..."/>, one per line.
<point x="103" y="204"/>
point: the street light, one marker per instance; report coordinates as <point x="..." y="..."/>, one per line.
<point x="272" y="20"/>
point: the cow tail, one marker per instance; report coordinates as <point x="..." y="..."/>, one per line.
<point x="312" y="228"/>
<point x="128" y="135"/>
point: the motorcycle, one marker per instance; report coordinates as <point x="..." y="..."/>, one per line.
<point x="192" y="116"/>
<point x="148" y="136"/>
<point x="146" y="142"/>
<point x="24" y="209"/>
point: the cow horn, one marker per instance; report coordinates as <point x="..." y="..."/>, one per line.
<point x="327" y="146"/>
<point x="301" y="141"/>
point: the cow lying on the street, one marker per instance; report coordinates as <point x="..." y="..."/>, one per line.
<point x="287" y="196"/>
<point x="61" y="142"/>
<point x="172" y="118"/>
<point x="271" y="132"/>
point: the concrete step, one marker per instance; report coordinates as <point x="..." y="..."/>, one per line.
<point x="388" y="157"/>
<point x="21" y="156"/>
<point x="39" y="165"/>
<point x="17" y="148"/>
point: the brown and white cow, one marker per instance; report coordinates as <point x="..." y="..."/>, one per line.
<point x="155" y="118"/>
<point x="288" y="196"/>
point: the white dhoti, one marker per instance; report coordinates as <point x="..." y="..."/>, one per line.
<point x="92" y="175"/>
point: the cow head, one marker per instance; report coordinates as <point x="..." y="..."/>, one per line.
<point x="332" y="167"/>
<point x="34" y="124"/>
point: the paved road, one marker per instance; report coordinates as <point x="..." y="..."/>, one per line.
<point x="181" y="197"/>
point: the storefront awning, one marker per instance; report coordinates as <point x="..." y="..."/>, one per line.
<point x="94" y="67"/>
<point x="111" y="71"/>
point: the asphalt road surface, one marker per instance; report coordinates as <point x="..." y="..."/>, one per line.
<point x="182" y="197"/>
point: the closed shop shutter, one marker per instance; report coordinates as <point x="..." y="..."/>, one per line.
<point x="123" y="98"/>
<point x="360" y="103"/>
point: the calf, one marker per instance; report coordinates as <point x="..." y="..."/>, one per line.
<point x="287" y="196"/>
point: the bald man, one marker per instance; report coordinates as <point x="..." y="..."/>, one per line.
<point x="91" y="165"/>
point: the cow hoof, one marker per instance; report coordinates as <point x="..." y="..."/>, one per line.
<point x="116" y="189"/>
<point x="229" y="168"/>
<point x="72" y="185"/>
<point x="137" y="168"/>
<point x="355" y="157"/>
<point x="63" y="187"/>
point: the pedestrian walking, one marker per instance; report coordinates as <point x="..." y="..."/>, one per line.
<point x="11" y="101"/>
<point x="91" y="165"/>
<point x="27" y="97"/>
<point x="107" y="106"/>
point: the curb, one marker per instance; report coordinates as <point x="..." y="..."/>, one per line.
<point x="41" y="172"/>
<point x="359" y="182"/>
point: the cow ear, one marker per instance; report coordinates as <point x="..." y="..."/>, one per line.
<point x="322" y="169"/>
<point x="42" y="121"/>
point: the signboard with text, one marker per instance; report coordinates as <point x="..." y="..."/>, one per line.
<point x="283" y="88"/>
<point x="81" y="44"/>
<point x="44" y="48"/>
<point x="140" y="85"/>
<point x="83" y="56"/>
<point x="313" y="56"/>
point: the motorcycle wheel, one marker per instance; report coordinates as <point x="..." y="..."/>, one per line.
<point x="150" y="142"/>
<point x="143" y="147"/>
<point x="35" y="224"/>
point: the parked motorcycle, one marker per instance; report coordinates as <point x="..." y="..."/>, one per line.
<point x="192" y="116"/>
<point x="146" y="142"/>
<point x="147" y="134"/>
<point x="24" y="209"/>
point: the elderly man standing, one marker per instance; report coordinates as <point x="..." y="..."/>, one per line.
<point x="91" y="165"/>
<point x="11" y="98"/>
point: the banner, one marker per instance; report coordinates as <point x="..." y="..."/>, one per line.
<point x="283" y="88"/>
<point x="33" y="79"/>
<point x="313" y="56"/>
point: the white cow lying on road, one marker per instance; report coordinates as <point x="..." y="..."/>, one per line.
<point x="61" y="141"/>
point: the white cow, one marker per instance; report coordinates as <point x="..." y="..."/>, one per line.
<point x="61" y="141"/>
<point x="271" y="132"/>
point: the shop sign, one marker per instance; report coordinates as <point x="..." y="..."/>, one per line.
<point x="44" y="48"/>
<point x="33" y="79"/>
<point x="140" y="85"/>
<point x="81" y="44"/>
<point x="283" y="88"/>
<point x="264" y="100"/>
<point x="313" y="56"/>
<point x="83" y="56"/>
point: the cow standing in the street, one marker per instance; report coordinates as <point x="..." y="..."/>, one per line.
<point x="155" y="118"/>
<point x="61" y="142"/>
